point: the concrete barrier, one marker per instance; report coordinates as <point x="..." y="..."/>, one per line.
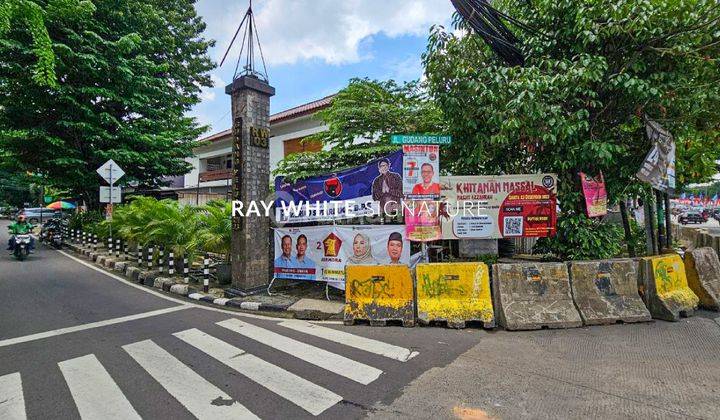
<point x="533" y="296"/>
<point x="455" y="293"/>
<point x="702" y="268"/>
<point x="665" y="288"/>
<point x="378" y="294"/>
<point x="605" y="292"/>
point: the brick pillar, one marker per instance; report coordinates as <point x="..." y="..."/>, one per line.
<point x="251" y="179"/>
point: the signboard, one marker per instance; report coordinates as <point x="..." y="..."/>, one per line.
<point x="421" y="185"/>
<point x="595" y="194"/>
<point x="420" y="139"/>
<point x="105" y="195"/>
<point x="492" y="207"/>
<point x="658" y="168"/>
<point x="370" y="187"/>
<point x="320" y="253"/>
<point x="110" y="171"/>
<point x="421" y="172"/>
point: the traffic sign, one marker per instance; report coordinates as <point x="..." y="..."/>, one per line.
<point x="111" y="171"/>
<point x="105" y="194"/>
<point x="420" y="139"/>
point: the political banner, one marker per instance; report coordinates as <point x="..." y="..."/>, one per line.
<point x="421" y="172"/>
<point x="595" y="194"/>
<point x="422" y="221"/>
<point x="658" y="168"/>
<point x="492" y="207"/>
<point x="356" y="192"/>
<point x="320" y="253"/>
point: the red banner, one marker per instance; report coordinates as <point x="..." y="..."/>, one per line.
<point x="595" y="194"/>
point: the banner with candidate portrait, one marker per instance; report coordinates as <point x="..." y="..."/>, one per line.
<point x="421" y="171"/>
<point x="320" y="253"/>
<point x="503" y="206"/>
<point x="360" y="191"/>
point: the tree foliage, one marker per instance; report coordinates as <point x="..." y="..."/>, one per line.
<point x="593" y="69"/>
<point x="127" y="72"/>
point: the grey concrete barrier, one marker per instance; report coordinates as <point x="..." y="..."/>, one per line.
<point x="606" y="292"/>
<point x="703" y="274"/>
<point x="532" y="296"/>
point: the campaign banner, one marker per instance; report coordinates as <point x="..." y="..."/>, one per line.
<point x="493" y="207"/>
<point x="421" y="172"/>
<point x="355" y="192"/>
<point x="320" y="253"/>
<point x="422" y="221"/>
<point x="595" y="194"/>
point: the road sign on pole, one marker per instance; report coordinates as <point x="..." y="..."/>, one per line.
<point x="110" y="171"/>
<point x="105" y="195"/>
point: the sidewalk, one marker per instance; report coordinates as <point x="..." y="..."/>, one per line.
<point x="655" y="370"/>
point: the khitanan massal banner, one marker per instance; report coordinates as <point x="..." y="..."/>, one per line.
<point x="320" y="253"/>
<point x="322" y="198"/>
<point x="492" y="207"/>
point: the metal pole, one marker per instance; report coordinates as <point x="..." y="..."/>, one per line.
<point x="659" y="204"/>
<point x="161" y="259"/>
<point x="117" y="248"/>
<point x="126" y="251"/>
<point x="139" y="256"/>
<point x="111" y="198"/>
<point x="668" y="222"/>
<point x="151" y="251"/>
<point x="206" y="273"/>
<point x="186" y="270"/>
<point x="171" y="264"/>
<point x="649" y="249"/>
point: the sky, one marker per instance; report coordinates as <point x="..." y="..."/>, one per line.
<point x="313" y="47"/>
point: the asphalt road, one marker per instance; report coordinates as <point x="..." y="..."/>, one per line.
<point x="74" y="341"/>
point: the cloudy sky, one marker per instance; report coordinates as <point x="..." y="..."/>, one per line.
<point x="313" y="47"/>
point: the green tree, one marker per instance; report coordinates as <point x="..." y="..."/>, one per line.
<point x="592" y="71"/>
<point x="127" y="71"/>
<point x="360" y="120"/>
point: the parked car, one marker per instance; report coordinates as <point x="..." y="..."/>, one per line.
<point x="34" y="214"/>
<point x="691" y="217"/>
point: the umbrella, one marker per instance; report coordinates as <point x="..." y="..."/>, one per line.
<point x="61" y="205"/>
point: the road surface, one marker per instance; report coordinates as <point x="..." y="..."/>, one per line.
<point x="78" y="343"/>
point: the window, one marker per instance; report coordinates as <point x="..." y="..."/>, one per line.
<point x="297" y="145"/>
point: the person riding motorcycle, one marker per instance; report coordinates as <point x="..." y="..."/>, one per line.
<point x="20" y="227"/>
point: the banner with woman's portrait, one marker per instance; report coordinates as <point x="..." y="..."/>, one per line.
<point x="320" y="253"/>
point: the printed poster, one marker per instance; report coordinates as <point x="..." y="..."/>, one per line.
<point x="503" y="206"/>
<point x="320" y="253"/>
<point x="355" y="192"/>
<point x="595" y="194"/>
<point x="421" y="171"/>
<point x="421" y="185"/>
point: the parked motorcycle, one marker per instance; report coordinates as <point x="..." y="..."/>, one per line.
<point x="51" y="233"/>
<point x="22" y="247"/>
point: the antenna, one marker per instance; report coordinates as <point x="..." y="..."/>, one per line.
<point x="247" y="48"/>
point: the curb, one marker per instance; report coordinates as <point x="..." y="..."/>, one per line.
<point x="175" y="286"/>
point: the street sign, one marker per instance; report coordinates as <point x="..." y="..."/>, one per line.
<point x="420" y="139"/>
<point x="105" y="194"/>
<point x="111" y="171"/>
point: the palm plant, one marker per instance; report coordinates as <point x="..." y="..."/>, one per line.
<point x="175" y="226"/>
<point x="216" y="228"/>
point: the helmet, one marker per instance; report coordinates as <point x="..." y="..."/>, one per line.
<point x="21" y="218"/>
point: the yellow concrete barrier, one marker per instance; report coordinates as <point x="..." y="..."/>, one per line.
<point x="455" y="293"/>
<point x="378" y="294"/>
<point x="703" y="274"/>
<point x="667" y="294"/>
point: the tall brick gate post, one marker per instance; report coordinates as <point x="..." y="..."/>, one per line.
<point x="250" y="256"/>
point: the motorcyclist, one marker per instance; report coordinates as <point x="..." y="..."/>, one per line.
<point x="20" y="227"/>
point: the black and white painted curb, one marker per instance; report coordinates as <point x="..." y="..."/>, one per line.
<point x="175" y="286"/>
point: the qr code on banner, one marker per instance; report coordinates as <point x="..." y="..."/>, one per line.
<point x="513" y="226"/>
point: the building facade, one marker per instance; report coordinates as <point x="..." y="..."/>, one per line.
<point x="210" y="178"/>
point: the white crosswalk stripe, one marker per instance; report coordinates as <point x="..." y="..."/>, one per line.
<point x="332" y="362"/>
<point x="303" y="393"/>
<point x="95" y="393"/>
<point x="12" y="402"/>
<point x="203" y="399"/>
<point x="367" y="344"/>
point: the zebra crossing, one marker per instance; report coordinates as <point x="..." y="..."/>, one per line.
<point x="96" y="394"/>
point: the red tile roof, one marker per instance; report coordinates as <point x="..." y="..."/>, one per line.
<point x="288" y="114"/>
